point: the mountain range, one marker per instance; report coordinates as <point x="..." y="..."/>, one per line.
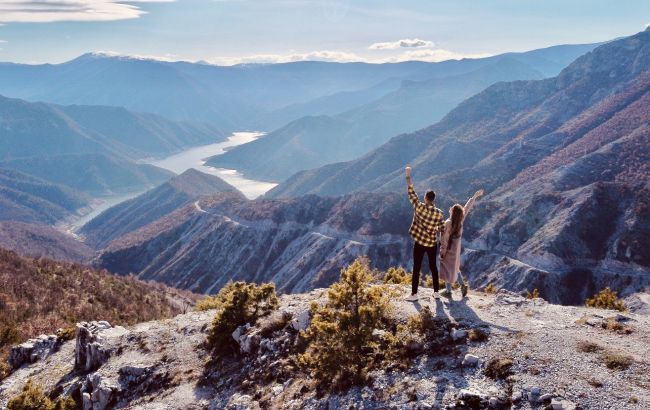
<point x="314" y="141"/>
<point x="557" y="157"/>
<point x="250" y="96"/>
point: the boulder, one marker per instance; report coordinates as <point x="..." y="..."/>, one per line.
<point x="32" y="350"/>
<point x="90" y="349"/>
<point x="300" y="321"/>
<point x="458" y="334"/>
<point x="470" y="360"/>
<point x="558" y="404"/>
<point x="98" y="393"/>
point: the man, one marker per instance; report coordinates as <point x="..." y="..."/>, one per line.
<point x="427" y="221"/>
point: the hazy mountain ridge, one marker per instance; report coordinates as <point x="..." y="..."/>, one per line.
<point x="40" y="129"/>
<point x="30" y="199"/>
<point x="232" y="98"/>
<point x="315" y="141"/>
<point x="95" y="173"/>
<point x="153" y="204"/>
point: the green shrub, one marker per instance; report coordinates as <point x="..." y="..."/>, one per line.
<point x="340" y="342"/>
<point x="606" y="299"/>
<point x="33" y="398"/>
<point x="66" y="333"/>
<point x="532" y="295"/>
<point x="9" y="335"/>
<point x="490" y="289"/>
<point x="397" y="276"/>
<point x="237" y="304"/>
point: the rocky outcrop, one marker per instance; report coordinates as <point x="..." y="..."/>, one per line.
<point x="97" y="393"/>
<point x="556" y="357"/>
<point x="90" y="350"/>
<point x="32" y="350"/>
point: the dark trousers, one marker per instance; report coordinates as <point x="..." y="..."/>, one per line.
<point x="418" y="256"/>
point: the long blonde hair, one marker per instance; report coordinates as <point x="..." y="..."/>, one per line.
<point x="457" y="212"/>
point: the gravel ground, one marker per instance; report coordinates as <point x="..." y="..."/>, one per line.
<point x="164" y="365"/>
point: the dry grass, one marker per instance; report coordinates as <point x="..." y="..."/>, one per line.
<point x="533" y="295"/>
<point x="615" y="326"/>
<point x="491" y="289"/>
<point x="606" y="299"/>
<point x="585" y="346"/>
<point x="499" y="368"/>
<point x="477" y="335"/>
<point x="617" y="361"/>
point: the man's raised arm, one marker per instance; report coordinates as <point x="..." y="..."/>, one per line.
<point x="413" y="197"/>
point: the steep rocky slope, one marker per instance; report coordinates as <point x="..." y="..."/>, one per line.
<point x="564" y="162"/>
<point x="296" y="243"/>
<point x="552" y="356"/>
<point x="156" y="203"/>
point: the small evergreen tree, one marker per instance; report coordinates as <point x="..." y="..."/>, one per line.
<point x="237" y="304"/>
<point x="606" y="299"/>
<point x="341" y="346"/>
<point x="397" y="276"/>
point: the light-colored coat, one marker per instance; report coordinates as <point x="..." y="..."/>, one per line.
<point x="450" y="264"/>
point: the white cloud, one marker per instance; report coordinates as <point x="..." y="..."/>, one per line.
<point x="319" y="55"/>
<point x="46" y="11"/>
<point x="404" y="43"/>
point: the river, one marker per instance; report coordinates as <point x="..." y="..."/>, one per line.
<point x="194" y="158"/>
<point x="181" y="162"/>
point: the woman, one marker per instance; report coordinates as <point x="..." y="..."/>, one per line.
<point x="450" y="245"/>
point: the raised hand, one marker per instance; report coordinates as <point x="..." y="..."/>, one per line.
<point x="408" y="171"/>
<point x="479" y="193"/>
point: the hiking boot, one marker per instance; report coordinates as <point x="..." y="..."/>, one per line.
<point x="412" y="298"/>
<point x="446" y="293"/>
<point x="436" y="295"/>
<point x="463" y="289"/>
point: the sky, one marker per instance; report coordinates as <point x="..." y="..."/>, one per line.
<point x="242" y="31"/>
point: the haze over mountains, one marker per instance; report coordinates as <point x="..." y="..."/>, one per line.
<point x="553" y="154"/>
<point x="313" y="141"/>
<point x="235" y="98"/>
<point x="556" y="156"/>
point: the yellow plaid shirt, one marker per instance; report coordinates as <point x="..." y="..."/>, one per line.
<point x="427" y="220"/>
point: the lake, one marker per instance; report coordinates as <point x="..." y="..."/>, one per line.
<point x="181" y="162"/>
<point x="195" y="158"/>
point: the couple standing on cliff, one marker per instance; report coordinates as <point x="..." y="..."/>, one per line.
<point x="428" y="221"/>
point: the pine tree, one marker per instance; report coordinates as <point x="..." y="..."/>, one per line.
<point x="341" y="345"/>
<point x="237" y="304"/>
